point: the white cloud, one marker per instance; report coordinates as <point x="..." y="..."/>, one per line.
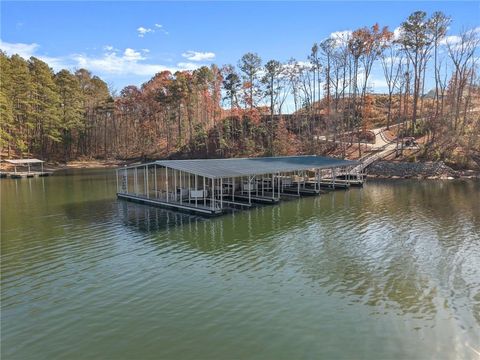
<point x="198" y="56"/>
<point x="111" y="62"/>
<point x="28" y="50"/>
<point x="142" y="31"/>
<point x="397" y="33"/>
<point x="132" y="55"/>
<point x="24" y="50"/>
<point x="341" y="37"/>
<point x="453" y="40"/>
<point x="450" y="40"/>
<point x="189" y="66"/>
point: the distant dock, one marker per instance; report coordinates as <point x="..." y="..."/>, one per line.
<point x="25" y="168"/>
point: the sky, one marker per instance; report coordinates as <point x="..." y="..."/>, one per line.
<point x="126" y="43"/>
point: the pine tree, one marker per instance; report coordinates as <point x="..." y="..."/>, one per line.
<point x="72" y="116"/>
<point x="46" y="106"/>
<point x="6" y="106"/>
<point x="20" y="95"/>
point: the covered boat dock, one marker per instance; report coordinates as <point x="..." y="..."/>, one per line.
<point x="216" y="186"/>
<point x="28" y="168"/>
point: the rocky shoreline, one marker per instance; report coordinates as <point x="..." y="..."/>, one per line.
<point x="417" y="170"/>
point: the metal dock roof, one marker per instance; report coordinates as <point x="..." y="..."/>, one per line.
<point x="23" y="161"/>
<point x="235" y="167"/>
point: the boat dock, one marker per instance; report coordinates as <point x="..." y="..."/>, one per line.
<point x="28" y="169"/>
<point x="216" y="186"/>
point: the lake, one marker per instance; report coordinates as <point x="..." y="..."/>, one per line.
<point x="391" y="270"/>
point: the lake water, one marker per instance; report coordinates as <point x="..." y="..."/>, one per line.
<point x="388" y="271"/>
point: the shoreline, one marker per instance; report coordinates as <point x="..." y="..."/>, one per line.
<point x="380" y="170"/>
<point x="476" y="176"/>
<point x="428" y="170"/>
<point x="87" y="164"/>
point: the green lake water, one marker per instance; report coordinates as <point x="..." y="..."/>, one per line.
<point x="389" y="271"/>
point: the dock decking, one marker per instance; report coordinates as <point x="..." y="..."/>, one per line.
<point x="27" y="164"/>
<point x="23" y="174"/>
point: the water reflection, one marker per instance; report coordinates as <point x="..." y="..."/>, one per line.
<point x="383" y="246"/>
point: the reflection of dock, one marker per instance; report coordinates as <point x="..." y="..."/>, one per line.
<point x="216" y="186"/>
<point x="25" y="164"/>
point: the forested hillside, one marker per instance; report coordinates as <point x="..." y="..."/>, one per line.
<point x="239" y="110"/>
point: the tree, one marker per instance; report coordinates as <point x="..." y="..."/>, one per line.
<point x="461" y="51"/>
<point x="391" y="61"/>
<point x="232" y="85"/>
<point x="438" y="24"/>
<point x="7" y="128"/>
<point x="328" y="47"/>
<point x="272" y="81"/>
<point x="365" y="46"/>
<point x="71" y="107"/>
<point x="250" y="64"/>
<point x="416" y="40"/>
<point x="45" y="115"/>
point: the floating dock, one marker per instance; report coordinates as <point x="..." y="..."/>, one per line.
<point x="215" y="186"/>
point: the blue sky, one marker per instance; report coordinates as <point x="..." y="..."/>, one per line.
<point x="127" y="42"/>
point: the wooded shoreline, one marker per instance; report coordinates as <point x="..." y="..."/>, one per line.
<point x="239" y="111"/>
<point x="380" y="170"/>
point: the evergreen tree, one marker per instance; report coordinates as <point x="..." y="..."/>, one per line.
<point x="6" y="106"/>
<point x="72" y="118"/>
<point x="20" y="94"/>
<point x="46" y="105"/>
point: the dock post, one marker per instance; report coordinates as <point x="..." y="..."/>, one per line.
<point x="41" y="164"/>
<point x="273" y="186"/>
<point x="221" y="193"/>
<point x="249" y="191"/>
<point x="175" y="184"/>
<point x="155" y="174"/>
<point x="166" y="181"/>
<point x="213" y="199"/>
<point x="126" y="180"/>
<point x="136" y="181"/>
<point x="147" y="190"/>
<point x="181" y="191"/>
<point x="233" y="189"/>
<point x="196" y="188"/>
<point x="278" y="186"/>
<point x="116" y="177"/>
<point x="334" y="174"/>
<point x="298" y="183"/>
<point x="204" y="193"/>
